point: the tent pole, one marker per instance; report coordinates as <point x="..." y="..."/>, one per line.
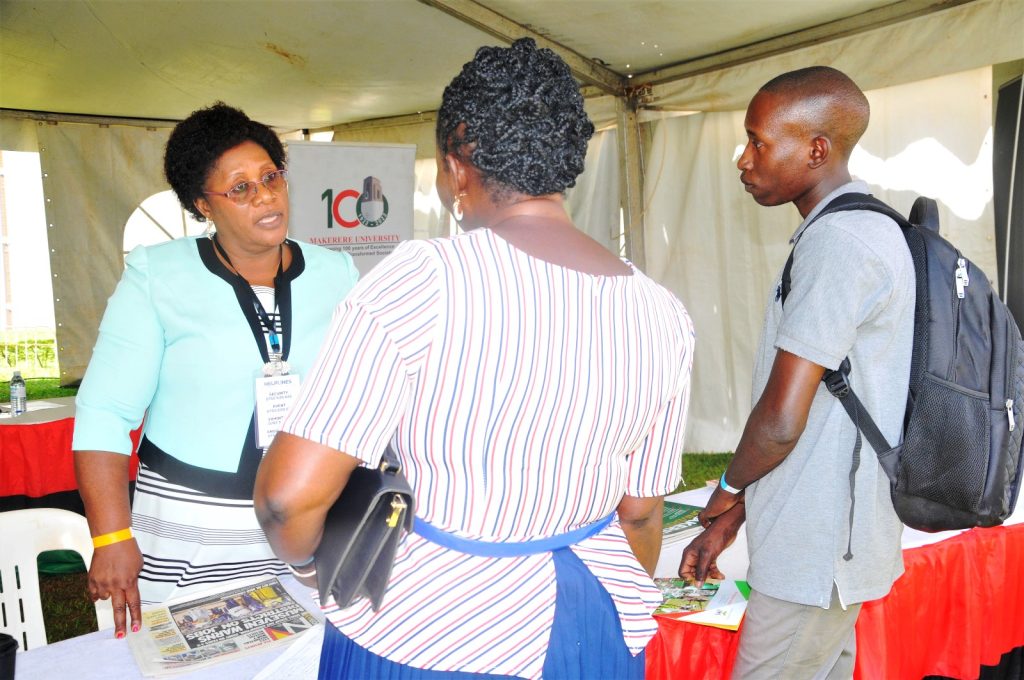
<point x="631" y="184"/>
<point x="477" y="15"/>
<point x="1014" y="154"/>
<point x="852" y="25"/>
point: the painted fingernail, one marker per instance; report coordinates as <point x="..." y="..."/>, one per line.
<point x="135" y="628"/>
<point x="120" y="634"/>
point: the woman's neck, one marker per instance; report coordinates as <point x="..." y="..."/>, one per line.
<point x="548" y="209"/>
<point x="540" y="227"/>
<point x="258" y="268"/>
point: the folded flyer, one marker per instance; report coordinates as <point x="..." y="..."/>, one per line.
<point x="717" y="603"/>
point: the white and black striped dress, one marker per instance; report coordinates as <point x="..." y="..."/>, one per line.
<point x="190" y="538"/>
<point x="178" y="348"/>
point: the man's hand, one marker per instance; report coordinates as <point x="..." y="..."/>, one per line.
<point x="721" y="501"/>
<point x="114" y="574"/>
<point x="700" y="557"/>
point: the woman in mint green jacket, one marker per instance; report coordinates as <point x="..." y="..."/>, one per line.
<point x="206" y="338"/>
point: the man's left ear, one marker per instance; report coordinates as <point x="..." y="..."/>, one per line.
<point x="821" y="147"/>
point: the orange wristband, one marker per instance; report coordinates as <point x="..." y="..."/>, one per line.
<point x="112" y="537"/>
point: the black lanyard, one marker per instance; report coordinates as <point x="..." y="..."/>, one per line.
<point x="253" y="310"/>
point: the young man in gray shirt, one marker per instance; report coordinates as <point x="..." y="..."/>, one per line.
<point x="822" y="537"/>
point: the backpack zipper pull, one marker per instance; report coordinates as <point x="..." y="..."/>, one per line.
<point x="962" y="279"/>
<point x="1009" y="413"/>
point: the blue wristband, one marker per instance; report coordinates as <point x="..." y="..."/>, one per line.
<point x="725" y="486"/>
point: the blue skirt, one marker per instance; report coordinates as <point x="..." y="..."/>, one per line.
<point x="586" y="640"/>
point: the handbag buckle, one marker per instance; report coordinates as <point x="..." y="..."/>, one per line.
<point x="398" y="508"/>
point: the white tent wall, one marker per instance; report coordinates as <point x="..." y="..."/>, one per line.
<point x="934" y="138"/>
<point x="594" y="201"/>
<point x="18" y="134"/>
<point x="429" y="217"/>
<point x="93" y="179"/>
<point x="401" y="130"/>
<point x="973" y="35"/>
<point x="720" y="252"/>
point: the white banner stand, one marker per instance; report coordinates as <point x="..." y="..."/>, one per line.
<point x="352" y="197"/>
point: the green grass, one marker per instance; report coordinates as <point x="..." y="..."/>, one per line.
<point x="67" y="610"/>
<point x="39" y="388"/>
<point x="698" y="468"/>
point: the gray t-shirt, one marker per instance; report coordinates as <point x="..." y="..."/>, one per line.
<point x="852" y="295"/>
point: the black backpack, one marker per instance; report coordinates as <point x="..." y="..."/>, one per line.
<point x="959" y="464"/>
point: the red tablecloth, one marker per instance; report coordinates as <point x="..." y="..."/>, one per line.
<point x="681" y="651"/>
<point x="959" y="606"/>
<point x="36" y="459"/>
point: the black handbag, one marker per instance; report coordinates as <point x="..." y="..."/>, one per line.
<point x="361" y="533"/>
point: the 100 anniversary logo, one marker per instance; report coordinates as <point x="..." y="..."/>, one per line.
<point x="371" y="205"/>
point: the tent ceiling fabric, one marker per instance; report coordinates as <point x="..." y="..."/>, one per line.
<point x="634" y="37"/>
<point x="291" y="64"/>
<point x="313" y="64"/>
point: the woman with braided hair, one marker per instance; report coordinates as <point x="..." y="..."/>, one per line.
<point x="534" y="387"/>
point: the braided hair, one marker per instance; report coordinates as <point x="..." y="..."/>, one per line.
<point x="524" y="116"/>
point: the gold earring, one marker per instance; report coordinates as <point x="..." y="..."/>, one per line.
<point x="457" y="208"/>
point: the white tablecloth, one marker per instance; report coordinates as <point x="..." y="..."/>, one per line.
<point x="99" y="655"/>
<point x="733" y="561"/>
<point x="42" y="411"/>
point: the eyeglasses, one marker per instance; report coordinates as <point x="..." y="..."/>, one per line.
<point x="275" y="182"/>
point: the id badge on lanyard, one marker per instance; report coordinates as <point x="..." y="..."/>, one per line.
<point x="275" y="394"/>
<point x="276" y="388"/>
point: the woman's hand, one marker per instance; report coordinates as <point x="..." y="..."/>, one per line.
<point x="114" y="571"/>
<point x="308" y="581"/>
<point x="641" y="520"/>
<point x="297" y="483"/>
<point x="114" y="574"/>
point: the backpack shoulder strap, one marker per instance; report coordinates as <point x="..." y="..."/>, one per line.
<point x="858" y="201"/>
<point x="836" y="381"/>
<point x="843" y="203"/>
<point x="839" y="387"/>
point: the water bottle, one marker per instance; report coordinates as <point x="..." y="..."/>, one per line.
<point x="19" y="401"/>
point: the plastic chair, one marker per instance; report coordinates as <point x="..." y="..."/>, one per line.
<point x="25" y="534"/>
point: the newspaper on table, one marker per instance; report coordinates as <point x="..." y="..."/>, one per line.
<point x="202" y="630"/>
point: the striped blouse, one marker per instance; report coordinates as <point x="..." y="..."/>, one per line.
<point x="524" y="399"/>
